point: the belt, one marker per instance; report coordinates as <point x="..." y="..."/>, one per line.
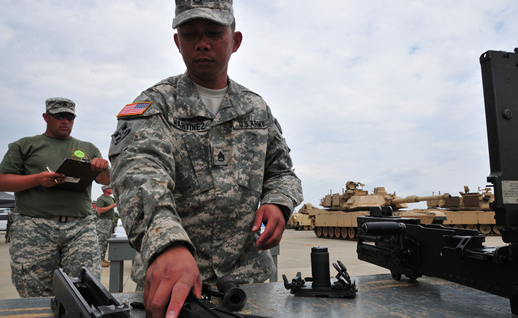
<point x="63" y="219"/>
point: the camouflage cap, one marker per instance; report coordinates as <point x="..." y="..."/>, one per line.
<point x="57" y="105"/>
<point x="104" y="188"/>
<point x="219" y="11"/>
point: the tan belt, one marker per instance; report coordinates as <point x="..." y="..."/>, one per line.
<point x="63" y="219"/>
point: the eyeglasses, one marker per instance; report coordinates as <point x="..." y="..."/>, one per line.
<point x="60" y="116"/>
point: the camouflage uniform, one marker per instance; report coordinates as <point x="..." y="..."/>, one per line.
<point x="104" y="232"/>
<point x="181" y="175"/>
<point x="104" y="223"/>
<point x="40" y="246"/>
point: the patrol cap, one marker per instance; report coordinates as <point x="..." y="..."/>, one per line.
<point x="57" y="105"/>
<point x="219" y="11"/>
<point x="105" y="187"/>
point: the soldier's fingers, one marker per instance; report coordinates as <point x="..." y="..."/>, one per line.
<point x="197" y="287"/>
<point x="154" y="302"/>
<point x="178" y="296"/>
<point x="150" y="288"/>
<point x="259" y="214"/>
<point x="271" y="236"/>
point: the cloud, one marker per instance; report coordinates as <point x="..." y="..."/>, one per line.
<point x="386" y="93"/>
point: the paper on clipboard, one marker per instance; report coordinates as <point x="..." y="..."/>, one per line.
<point x="79" y="175"/>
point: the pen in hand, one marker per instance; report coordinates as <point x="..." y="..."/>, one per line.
<point x="49" y="170"/>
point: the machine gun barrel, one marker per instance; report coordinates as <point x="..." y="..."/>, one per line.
<point x="415" y="198"/>
<point x="383" y="228"/>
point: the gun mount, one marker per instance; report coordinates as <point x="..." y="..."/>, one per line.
<point x="339" y="219"/>
<point x="404" y="246"/>
<point x="320" y="283"/>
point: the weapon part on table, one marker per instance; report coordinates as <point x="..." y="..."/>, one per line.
<point x="84" y="297"/>
<point x="320" y="282"/>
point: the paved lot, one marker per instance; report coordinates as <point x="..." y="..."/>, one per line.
<point x="294" y="257"/>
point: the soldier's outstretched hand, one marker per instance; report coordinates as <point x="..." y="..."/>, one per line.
<point x="273" y="218"/>
<point x="169" y="279"/>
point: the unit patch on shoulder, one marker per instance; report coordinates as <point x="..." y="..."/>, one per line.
<point x="122" y="132"/>
<point x="134" y="109"/>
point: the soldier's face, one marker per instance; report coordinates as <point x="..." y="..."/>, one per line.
<point x="58" y="128"/>
<point x="206" y="48"/>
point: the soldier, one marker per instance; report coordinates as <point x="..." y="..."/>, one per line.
<point x="193" y="158"/>
<point x="54" y="227"/>
<point x="105" y="209"/>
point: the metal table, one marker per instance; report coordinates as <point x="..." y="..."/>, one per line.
<point x="119" y="250"/>
<point x="378" y="296"/>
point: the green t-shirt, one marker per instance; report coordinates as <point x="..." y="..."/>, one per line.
<point x="30" y="155"/>
<point x="102" y="202"/>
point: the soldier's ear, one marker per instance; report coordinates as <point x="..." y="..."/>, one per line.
<point x="238" y="38"/>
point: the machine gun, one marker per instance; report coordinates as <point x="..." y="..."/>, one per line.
<point x="404" y="246"/>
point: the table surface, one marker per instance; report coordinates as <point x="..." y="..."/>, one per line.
<point x="378" y="296"/>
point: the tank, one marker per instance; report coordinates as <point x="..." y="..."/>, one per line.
<point x="301" y="220"/>
<point x="470" y="210"/>
<point x="338" y="218"/>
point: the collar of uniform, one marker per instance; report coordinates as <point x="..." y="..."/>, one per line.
<point x="188" y="103"/>
<point x="238" y="100"/>
<point x="234" y="105"/>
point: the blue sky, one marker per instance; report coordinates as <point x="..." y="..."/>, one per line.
<point x="387" y="93"/>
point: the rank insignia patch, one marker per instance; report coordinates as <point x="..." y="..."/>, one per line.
<point x="134" y="109"/>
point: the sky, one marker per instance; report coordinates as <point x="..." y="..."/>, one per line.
<point x="387" y="93"/>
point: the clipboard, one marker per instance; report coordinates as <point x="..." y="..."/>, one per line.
<point x="79" y="175"/>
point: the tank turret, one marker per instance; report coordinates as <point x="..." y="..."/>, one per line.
<point x="471" y="210"/>
<point x="354" y="198"/>
<point x="338" y="218"/>
<point x="466" y="201"/>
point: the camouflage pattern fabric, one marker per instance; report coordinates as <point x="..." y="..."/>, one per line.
<point x="183" y="176"/>
<point x="40" y="246"/>
<point x="11" y="217"/>
<point x="219" y="11"/>
<point x="104" y="232"/>
<point x="57" y="105"/>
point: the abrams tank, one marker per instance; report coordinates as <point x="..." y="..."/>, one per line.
<point x="338" y="218"/>
<point x="470" y="210"/>
<point x="302" y="219"/>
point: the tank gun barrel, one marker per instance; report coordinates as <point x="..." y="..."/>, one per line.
<point x="415" y="198"/>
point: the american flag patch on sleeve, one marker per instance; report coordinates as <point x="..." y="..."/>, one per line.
<point x="134" y="109"/>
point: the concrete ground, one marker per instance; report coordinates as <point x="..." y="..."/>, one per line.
<point x="294" y="257"/>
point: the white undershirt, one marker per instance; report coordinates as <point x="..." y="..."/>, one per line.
<point x="212" y="98"/>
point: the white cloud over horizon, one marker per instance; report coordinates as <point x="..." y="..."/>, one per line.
<point x="385" y="93"/>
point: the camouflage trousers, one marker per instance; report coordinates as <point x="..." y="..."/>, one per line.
<point x="104" y="232"/>
<point x="40" y="246"/>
